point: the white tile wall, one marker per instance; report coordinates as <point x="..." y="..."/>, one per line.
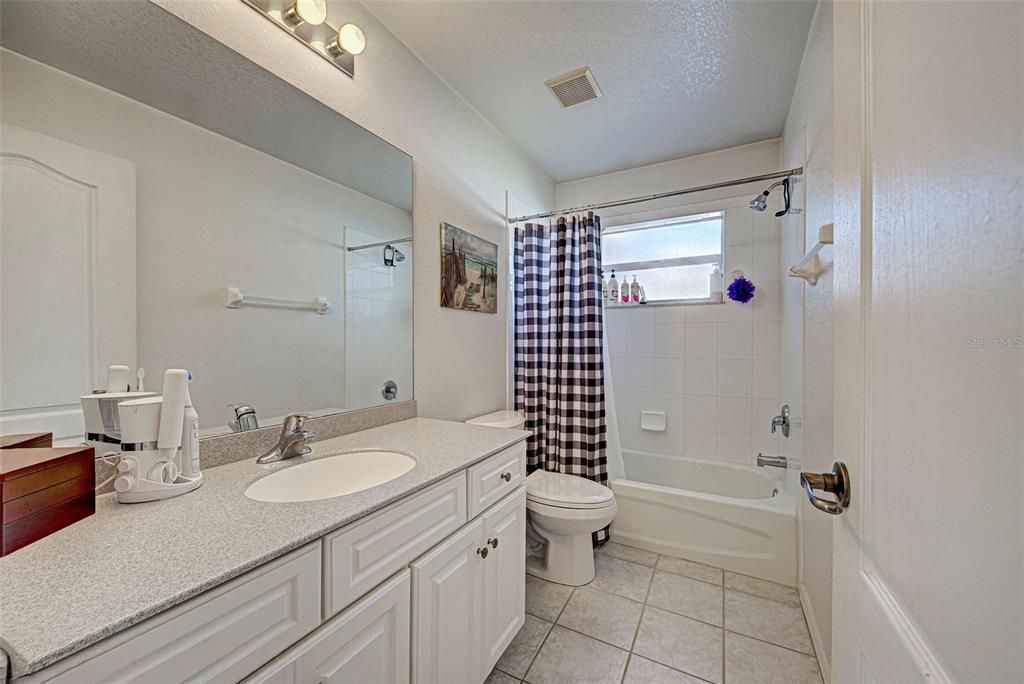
<point x="378" y="324"/>
<point x="713" y="369"/>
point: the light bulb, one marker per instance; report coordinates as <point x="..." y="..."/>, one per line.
<point x="312" y="12"/>
<point x="350" y="39"/>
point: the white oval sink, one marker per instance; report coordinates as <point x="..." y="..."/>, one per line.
<point x="331" y="476"/>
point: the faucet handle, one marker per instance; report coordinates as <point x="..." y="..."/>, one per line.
<point x="294" y="423"/>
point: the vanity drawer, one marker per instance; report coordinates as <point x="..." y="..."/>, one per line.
<point x="491" y="479"/>
<point x="221" y="635"/>
<point x="364" y="554"/>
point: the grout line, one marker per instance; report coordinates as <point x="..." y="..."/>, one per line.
<point x="671" y="667"/>
<point x="723" y="625"/>
<point x="629" y="657"/>
<point x="770" y="643"/>
<point x="785" y="603"/>
<point x="545" y="640"/>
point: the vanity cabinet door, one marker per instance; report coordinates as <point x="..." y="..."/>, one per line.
<point x="367" y="643"/>
<point x="504" y="597"/>
<point x="447" y="585"/>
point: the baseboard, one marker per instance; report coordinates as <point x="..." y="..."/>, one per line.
<point x="812" y="625"/>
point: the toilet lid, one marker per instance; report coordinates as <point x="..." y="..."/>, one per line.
<point x="567" y="491"/>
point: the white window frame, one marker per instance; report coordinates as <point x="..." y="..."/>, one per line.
<point x="718" y="258"/>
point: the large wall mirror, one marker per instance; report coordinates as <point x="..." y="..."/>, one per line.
<point x="166" y="203"/>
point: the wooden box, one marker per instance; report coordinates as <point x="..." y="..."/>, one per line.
<point x="43" y="490"/>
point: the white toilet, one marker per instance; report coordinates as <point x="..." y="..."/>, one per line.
<point x="563" y="512"/>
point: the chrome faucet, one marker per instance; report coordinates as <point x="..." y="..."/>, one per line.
<point x="292" y="442"/>
<point x="245" y="418"/>
<point x="782" y="421"/>
<point x="771" y="461"/>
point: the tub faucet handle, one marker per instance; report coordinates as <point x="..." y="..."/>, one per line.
<point x="782" y="421"/>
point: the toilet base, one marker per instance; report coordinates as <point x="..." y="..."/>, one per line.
<point x="568" y="559"/>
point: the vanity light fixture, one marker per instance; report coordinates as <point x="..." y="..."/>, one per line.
<point x="312" y="12"/>
<point x="308" y="22"/>
<point x="350" y="40"/>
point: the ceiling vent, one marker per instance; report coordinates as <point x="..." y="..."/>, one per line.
<point x="574" y="87"/>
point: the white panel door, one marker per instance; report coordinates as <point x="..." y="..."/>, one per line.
<point x="368" y="643"/>
<point x="929" y="341"/>
<point x="67" y="278"/>
<point x="504" y="597"/>
<point x="447" y="586"/>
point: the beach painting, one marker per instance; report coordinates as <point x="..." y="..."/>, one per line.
<point x="469" y="271"/>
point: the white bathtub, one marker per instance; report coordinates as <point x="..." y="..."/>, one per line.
<point x="740" y="518"/>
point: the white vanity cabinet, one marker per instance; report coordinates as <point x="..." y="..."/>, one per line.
<point x="424" y="589"/>
<point x="369" y="642"/>
<point x="447" y="598"/>
<point x="504" y="597"/>
<point x="219" y="636"/>
<point x="469" y="596"/>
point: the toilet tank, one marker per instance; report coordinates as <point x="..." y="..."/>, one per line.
<point x="500" y="419"/>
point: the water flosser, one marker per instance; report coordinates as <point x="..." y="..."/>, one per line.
<point x="190" y="438"/>
<point x="172" y="415"/>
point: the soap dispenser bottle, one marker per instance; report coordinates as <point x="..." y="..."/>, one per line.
<point x="613" y="289"/>
<point x="634" y="291"/>
<point x="716" y="284"/>
<point x="604" y="288"/>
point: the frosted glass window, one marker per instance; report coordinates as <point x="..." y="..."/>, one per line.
<point x="672" y="259"/>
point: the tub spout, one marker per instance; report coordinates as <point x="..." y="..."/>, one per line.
<point x="771" y="461"/>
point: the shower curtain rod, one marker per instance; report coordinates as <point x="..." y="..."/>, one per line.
<point x="648" y="198"/>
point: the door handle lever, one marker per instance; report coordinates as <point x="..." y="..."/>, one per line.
<point x="836" y="483"/>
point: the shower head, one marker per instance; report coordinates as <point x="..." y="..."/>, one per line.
<point x="392" y="256"/>
<point x="759" y="203"/>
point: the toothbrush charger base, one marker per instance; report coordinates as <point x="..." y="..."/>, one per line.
<point x="148" y="490"/>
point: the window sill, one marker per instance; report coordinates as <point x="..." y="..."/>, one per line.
<point x="666" y="302"/>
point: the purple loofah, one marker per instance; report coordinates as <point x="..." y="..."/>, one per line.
<point x="741" y="290"/>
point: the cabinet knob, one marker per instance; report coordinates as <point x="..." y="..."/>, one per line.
<point x="482" y="551"/>
<point x="493" y="542"/>
<point x="507" y="477"/>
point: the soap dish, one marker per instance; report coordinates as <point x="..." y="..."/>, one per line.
<point x="654" y="421"/>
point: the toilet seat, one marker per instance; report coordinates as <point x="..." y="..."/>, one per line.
<point x="560" y="490"/>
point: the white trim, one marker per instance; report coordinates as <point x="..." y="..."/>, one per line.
<point x="698" y="260"/>
<point x="824" y="663"/>
<point x="915" y="644"/>
<point x="662" y="223"/>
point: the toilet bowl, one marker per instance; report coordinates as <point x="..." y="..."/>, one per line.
<point x="562" y="513"/>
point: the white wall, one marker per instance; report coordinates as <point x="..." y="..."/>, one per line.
<point x="807" y="317"/>
<point x="461" y="169"/>
<point x="713" y="369"/>
<point x="210" y="213"/>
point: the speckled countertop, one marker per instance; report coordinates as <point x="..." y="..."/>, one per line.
<point x="129" y="562"/>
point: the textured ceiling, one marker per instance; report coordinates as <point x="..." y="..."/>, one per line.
<point x="678" y="78"/>
<point x="149" y="55"/>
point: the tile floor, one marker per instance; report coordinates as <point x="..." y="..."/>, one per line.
<point x="648" y="618"/>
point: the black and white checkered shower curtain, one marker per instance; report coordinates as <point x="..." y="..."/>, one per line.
<point x="559" y="364"/>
